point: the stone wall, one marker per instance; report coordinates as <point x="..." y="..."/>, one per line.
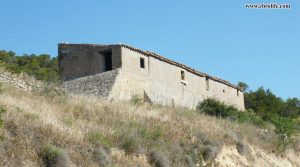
<point x="99" y="84"/>
<point x="79" y="60"/>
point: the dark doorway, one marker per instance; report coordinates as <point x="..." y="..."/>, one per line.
<point x="107" y="55"/>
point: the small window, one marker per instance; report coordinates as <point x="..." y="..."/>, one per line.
<point x="207" y="83"/>
<point x="237" y="92"/>
<point x="182" y="75"/>
<point x="223" y="90"/>
<point x="142" y="62"/>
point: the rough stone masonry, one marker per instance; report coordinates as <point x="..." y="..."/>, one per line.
<point x="120" y="71"/>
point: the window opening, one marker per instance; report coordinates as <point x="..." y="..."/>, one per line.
<point x="207" y="83"/>
<point x="182" y="75"/>
<point x="142" y="62"/>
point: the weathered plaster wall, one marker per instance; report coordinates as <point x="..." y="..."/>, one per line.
<point x="162" y="82"/>
<point x="79" y="60"/>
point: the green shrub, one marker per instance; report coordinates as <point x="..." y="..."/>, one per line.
<point x="151" y="134"/>
<point x="131" y="145"/>
<point x="136" y="100"/>
<point x="250" y="117"/>
<point x="51" y="152"/>
<point x="54" y="157"/>
<point x="2" y="111"/>
<point x="286" y="130"/>
<point x="52" y="90"/>
<point x="31" y="116"/>
<point x="285" y="127"/>
<point x="216" y="108"/>
<point x="99" y="139"/>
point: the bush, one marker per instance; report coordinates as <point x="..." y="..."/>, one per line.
<point x="285" y="127"/>
<point x="99" y="139"/>
<point x="211" y="150"/>
<point x="2" y="111"/>
<point x="216" y="108"/>
<point x="150" y="134"/>
<point x="250" y="117"/>
<point x="204" y="151"/>
<point x="102" y="157"/>
<point x="51" y="90"/>
<point x="54" y="157"/>
<point x="131" y="145"/>
<point x="136" y="100"/>
<point x="286" y="130"/>
<point x="158" y="159"/>
<point x="242" y="148"/>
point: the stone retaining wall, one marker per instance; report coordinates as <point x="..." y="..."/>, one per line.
<point x="98" y="84"/>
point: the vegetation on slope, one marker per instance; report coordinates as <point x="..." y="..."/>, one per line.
<point x="284" y="114"/>
<point x="48" y="126"/>
<point x="42" y="67"/>
<point x="286" y="128"/>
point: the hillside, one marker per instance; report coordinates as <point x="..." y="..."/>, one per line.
<point x="44" y="125"/>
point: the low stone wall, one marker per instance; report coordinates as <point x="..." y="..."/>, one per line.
<point x="99" y="84"/>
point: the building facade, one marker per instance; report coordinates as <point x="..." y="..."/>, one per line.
<point x="120" y="71"/>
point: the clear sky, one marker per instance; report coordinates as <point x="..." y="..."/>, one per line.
<point x="258" y="46"/>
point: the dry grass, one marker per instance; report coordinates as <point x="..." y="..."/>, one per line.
<point x="81" y="125"/>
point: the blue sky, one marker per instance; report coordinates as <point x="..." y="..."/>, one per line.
<point x="258" y="46"/>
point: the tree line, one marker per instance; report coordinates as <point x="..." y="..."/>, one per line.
<point x="42" y="67"/>
<point x="266" y="104"/>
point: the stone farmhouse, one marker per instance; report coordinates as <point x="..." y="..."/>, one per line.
<point x="120" y="72"/>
